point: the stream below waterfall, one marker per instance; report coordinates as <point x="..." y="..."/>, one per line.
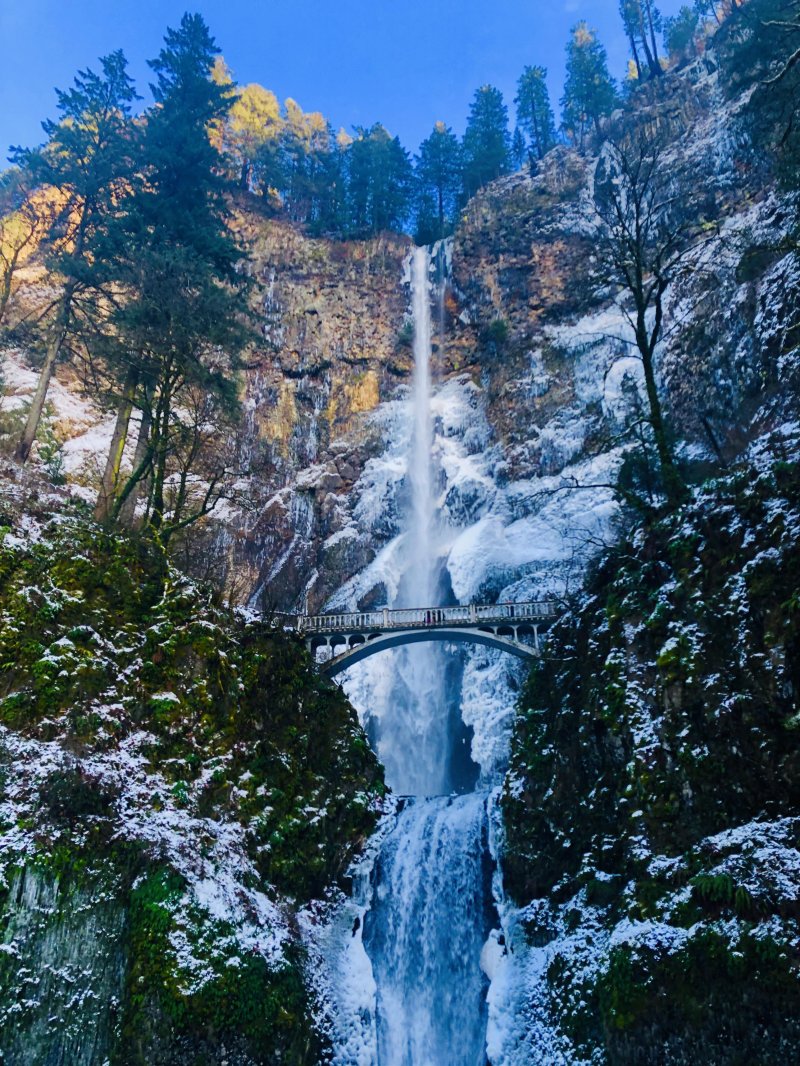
<point x="427" y="900"/>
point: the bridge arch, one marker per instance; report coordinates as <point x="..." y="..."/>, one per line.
<point x="372" y="644"/>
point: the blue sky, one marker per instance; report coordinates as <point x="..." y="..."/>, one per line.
<point x="406" y="63"/>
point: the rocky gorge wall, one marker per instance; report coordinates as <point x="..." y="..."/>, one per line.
<point x="531" y="347"/>
<point x="530" y="344"/>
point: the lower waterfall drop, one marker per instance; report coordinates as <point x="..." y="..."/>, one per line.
<point x="430" y="916"/>
<point x="431" y="907"/>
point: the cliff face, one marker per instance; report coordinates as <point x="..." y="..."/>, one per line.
<point x="545" y="355"/>
<point x="332" y="319"/>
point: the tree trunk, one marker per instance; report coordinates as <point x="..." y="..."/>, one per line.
<point x="5" y="288"/>
<point x="657" y="67"/>
<point x="536" y="136"/>
<point x="159" y="473"/>
<point x="635" y="51"/>
<point x="652" y="59"/>
<point x="5" y="293"/>
<point x="110" y="481"/>
<point x="673" y="483"/>
<point x="125" y="508"/>
<point x="23" y="450"/>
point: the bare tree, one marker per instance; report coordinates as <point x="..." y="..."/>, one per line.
<point x="644" y="240"/>
<point x="202" y="461"/>
<point x="183" y="459"/>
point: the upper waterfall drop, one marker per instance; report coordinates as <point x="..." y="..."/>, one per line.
<point x="420" y="576"/>
<point x="415" y="722"/>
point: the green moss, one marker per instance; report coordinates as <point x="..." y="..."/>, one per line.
<point x="622" y="995"/>
<point x="100" y="640"/>
<point x="693" y="988"/>
<point x="239" y="1000"/>
<point x="88" y="617"/>
<point x="662" y="713"/>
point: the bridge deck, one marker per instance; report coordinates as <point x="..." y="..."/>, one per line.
<point x="410" y="618"/>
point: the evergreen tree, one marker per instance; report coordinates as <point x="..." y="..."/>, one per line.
<point x="642" y="22"/>
<point x="534" y="113"/>
<point x="87" y="162"/>
<point x="185" y="320"/>
<point x="330" y="195"/>
<point x="589" y="92"/>
<point x="487" y="141"/>
<point x="305" y="144"/>
<point x="680" y="33"/>
<point x="439" y="174"/>
<point x="380" y="182"/>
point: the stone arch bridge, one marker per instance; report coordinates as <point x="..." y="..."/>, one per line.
<point x="511" y="627"/>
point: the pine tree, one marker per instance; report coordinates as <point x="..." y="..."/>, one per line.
<point x="642" y="21"/>
<point x="330" y="187"/>
<point x="186" y="318"/>
<point x="439" y="175"/>
<point x="305" y="144"/>
<point x="380" y="182"/>
<point x="487" y="141"/>
<point x="680" y="33"/>
<point x="534" y="113"/>
<point x="589" y="92"/>
<point x="87" y="162"/>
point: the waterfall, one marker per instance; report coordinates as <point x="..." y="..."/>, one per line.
<point x="414" y="740"/>
<point x="429" y="920"/>
<point x="420" y="574"/>
<point x="430" y="910"/>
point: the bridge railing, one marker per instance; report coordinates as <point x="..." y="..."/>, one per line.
<point x="406" y="618"/>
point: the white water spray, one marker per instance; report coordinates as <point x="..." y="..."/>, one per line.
<point x="431" y="908"/>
